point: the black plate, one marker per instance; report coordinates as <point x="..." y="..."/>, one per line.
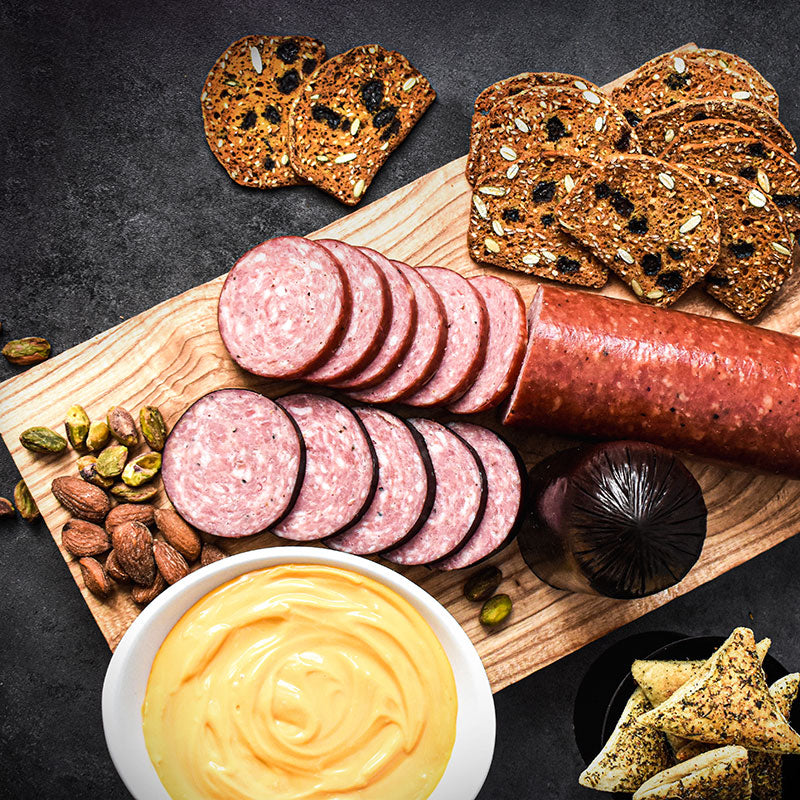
<point x="591" y="734"/>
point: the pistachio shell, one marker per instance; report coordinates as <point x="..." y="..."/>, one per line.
<point x="142" y="469"/>
<point x="153" y="428"/>
<point x="42" y="440"/>
<point x="77" y="427"/>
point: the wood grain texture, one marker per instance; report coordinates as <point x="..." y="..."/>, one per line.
<point x="172" y="354"/>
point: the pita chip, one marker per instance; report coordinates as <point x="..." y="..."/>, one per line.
<point x="721" y="774"/>
<point x="728" y="703"/>
<point x="632" y="754"/>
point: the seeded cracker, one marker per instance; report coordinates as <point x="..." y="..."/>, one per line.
<point x="486" y="100"/>
<point x="708" y="131"/>
<point x="246" y="100"/>
<point x="353" y="112"/>
<point x="661" y="127"/>
<point x="557" y="118"/>
<point x="776" y="172"/>
<point x="690" y="75"/>
<point x="651" y="223"/>
<point x="512" y="223"/>
<point x="755" y="255"/>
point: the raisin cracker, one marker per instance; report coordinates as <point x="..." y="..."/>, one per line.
<point x="651" y="223"/>
<point x="351" y="114"/>
<point x="512" y="224"/>
<point x="690" y="75"/>
<point x="660" y="128"/>
<point x="554" y="118"/>
<point x="755" y="255"/>
<point x="708" y="131"/>
<point x="776" y="172"/>
<point x="507" y="87"/>
<point x="246" y="100"/>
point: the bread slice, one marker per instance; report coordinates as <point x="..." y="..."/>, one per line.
<point x="651" y="223"/>
<point x="246" y="100"/>
<point x="766" y="769"/>
<point x="775" y="171"/>
<point x="755" y="254"/>
<point x="507" y="87"/>
<point x="659" y="680"/>
<point x="352" y="113"/>
<point x="661" y="127"/>
<point x="705" y="131"/>
<point x="721" y="774"/>
<point x="512" y="224"/>
<point x="631" y="755"/>
<point x="729" y="703"/>
<point x="690" y="75"/>
<point x="556" y="118"/>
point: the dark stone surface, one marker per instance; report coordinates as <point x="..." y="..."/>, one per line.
<point x="112" y="202"/>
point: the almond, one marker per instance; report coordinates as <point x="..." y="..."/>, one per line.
<point x="114" y="570"/>
<point x="171" y="564"/>
<point x="81" y="538"/>
<point x="81" y="499"/>
<point x="210" y="554"/>
<point x="178" y="533"/>
<point x="133" y="545"/>
<point x="95" y="578"/>
<point x="129" y="512"/>
<point x="144" y="594"/>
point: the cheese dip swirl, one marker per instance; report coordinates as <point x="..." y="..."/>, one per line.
<point x="300" y="682"/>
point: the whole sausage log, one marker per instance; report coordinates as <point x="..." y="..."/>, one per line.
<point x="611" y="369"/>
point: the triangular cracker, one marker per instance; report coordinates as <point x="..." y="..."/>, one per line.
<point x="766" y="769"/>
<point x="720" y="774"/>
<point x="631" y="755"/>
<point x="729" y="703"/>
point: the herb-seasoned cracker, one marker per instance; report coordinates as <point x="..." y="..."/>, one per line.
<point x="351" y="114"/>
<point x="246" y="100"/>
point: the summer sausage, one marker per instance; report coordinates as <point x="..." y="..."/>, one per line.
<point x="406" y="487"/>
<point x="402" y="327"/>
<point x="233" y="463"/>
<point x="467" y="336"/>
<point x="341" y="468"/>
<point x="283" y="307"/>
<point x="505" y="496"/>
<point x="459" y="501"/>
<point x="370" y="315"/>
<point x="426" y="350"/>
<point x="508" y="334"/>
<point x="612" y="369"/>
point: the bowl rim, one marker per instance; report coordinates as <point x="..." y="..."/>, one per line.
<point x="129" y="669"/>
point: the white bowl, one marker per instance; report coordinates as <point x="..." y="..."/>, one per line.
<point x="126" y="680"/>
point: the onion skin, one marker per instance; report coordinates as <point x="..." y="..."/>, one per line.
<point x="622" y="519"/>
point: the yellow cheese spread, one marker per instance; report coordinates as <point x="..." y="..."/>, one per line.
<point x="300" y="682"/>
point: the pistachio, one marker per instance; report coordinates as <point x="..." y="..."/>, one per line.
<point x="111" y="461"/>
<point x="42" y="440"/>
<point x="483" y="584"/>
<point x="77" y="427"/>
<point x="6" y="507"/>
<point x="27" y="351"/>
<point x="122" y="427"/>
<point x="141" y="469"/>
<point x="153" y="428"/>
<point x="495" y="610"/>
<point x="134" y="494"/>
<point x="87" y="469"/>
<point x="98" y="435"/>
<point x="25" y="503"/>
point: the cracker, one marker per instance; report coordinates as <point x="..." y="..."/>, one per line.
<point x="351" y="114"/>
<point x="648" y="221"/>
<point x="555" y="118"/>
<point x="512" y="224"/>
<point x="246" y="100"/>
<point x="706" y="131"/>
<point x="507" y="87"/>
<point x="690" y="75"/>
<point x="661" y="127"/>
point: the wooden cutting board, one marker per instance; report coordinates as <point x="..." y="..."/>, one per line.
<point x="172" y="354"/>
